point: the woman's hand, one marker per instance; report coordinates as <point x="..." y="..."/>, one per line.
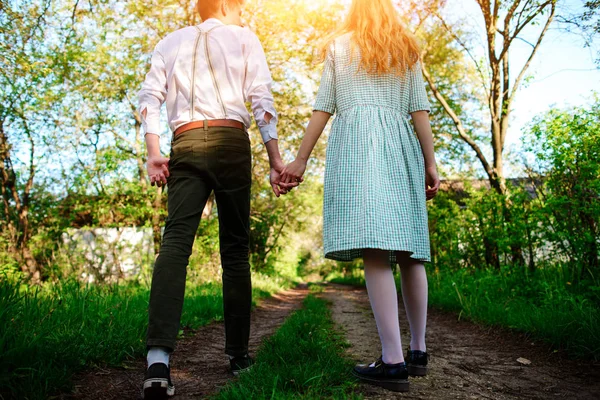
<point x="293" y="172"/>
<point x="432" y="182"/>
<point x="158" y="170"/>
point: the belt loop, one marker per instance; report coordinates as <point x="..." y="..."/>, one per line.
<point x="205" y="124"/>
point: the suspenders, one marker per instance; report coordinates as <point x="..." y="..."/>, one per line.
<point x="204" y="35"/>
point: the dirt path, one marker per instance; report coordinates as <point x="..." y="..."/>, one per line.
<point x="199" y="364"/>
<point x="467" y="361"/>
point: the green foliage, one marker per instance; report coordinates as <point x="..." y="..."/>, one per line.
<point x="313" y="368"/>
<point x="91" y="169"/>
<point x="566" y="146"/>
<point x="205" y="261"/>
<point x="479" y="227"/>
<point x="52" y="331"/>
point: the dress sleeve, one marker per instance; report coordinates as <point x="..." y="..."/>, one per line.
<point x="326" y="95"/>
<point x="417" y="94"/>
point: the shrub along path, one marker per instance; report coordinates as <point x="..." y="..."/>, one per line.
<point x="467" y="361"/>
<point x="199" y="364"/>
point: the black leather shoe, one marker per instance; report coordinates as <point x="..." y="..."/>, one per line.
<point x="241" y="364"/>
<point x="392" y="377"/>
<point x="157" y="383"/>
<point x="416" y="362"/>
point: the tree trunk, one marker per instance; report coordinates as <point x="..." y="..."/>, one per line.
<point x="17" y="211"/>
<point x="492" y="258"/>
<point x="209" y="206"/>
<point x="529" y="245"/>
<point x="590" y="256"/>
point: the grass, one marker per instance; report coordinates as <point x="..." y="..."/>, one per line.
<point x="49" y="333"/>
<point x="303" y="360"/>
<point x="543" y="305"/>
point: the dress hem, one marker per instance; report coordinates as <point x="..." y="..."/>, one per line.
<point x="357" y="253"/>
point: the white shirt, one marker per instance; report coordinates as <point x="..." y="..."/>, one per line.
<point x="197" y="87"/>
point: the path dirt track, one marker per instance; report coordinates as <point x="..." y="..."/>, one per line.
<point x="199" y="364"/>
<point x="467" y="361"/>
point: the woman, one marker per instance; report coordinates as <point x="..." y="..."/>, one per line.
<point x="378" y="174"/>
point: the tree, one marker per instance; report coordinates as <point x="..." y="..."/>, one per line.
<point x="504" y="23"/>
<point x="29" y="68"/>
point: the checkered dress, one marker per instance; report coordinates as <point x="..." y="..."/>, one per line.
<point x="374" y="172"/>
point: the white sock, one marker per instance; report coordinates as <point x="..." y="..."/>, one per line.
<point x="384" y="302"/>
<point x="414" y="294"/>
<point x="157" y="355"/>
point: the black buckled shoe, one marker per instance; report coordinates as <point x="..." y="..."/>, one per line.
<point x="157" y="383"/>
<point x="392" y="377"/>
<point x="416" y="362"/>
<point x="241" y="364"/>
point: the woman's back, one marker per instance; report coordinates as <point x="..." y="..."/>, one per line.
<point x="355" y="87"/>
<point x="378" y="174"/>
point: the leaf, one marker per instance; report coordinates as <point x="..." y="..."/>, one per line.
<point x="523" y="361"/>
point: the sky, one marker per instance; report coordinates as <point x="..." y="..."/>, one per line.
<point x="563" y="72"/>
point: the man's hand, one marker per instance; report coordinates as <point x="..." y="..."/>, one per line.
<point x="275" y="177"/>
<point x="293" y="172"/>
<point x="278" y="186"/>
<point x="432" y="182"/>
<point x="158" y="170"/>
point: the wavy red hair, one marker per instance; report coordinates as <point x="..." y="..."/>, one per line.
<point x="385" y="45"/>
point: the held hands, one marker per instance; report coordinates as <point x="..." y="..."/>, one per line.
<point x="279" y="186"/>
<point x="284" y="179"/>
<point x="432" y="182"/>
<point x="293" y="172"/>
<point x="158" y="170"/>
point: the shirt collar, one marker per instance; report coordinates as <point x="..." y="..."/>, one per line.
<point x="213" y="21"/>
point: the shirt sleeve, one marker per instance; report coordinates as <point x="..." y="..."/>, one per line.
<point x="417" y="100"/>
<point x="153" y="93"/>
<point x="257" y="89"/>
<point x="326" y="94"/>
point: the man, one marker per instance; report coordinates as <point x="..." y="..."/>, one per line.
<point x="205" y="74"/>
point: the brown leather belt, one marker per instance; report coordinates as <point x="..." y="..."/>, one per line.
<point x="223" y="123"/>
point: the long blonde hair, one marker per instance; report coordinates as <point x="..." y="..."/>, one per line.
<point x="384" y="43"/>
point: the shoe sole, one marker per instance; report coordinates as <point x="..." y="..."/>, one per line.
<point x="157" y="389"/>
<point x="395" y="385"/>
<point x="416" y="370"/>
<point x="237" y="372"/>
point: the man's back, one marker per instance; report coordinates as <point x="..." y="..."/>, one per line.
<point x="207" y="72"/>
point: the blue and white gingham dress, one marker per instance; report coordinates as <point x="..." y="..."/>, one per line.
<point x="374" y="172"/>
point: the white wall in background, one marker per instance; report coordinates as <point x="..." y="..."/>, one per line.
<point x="108" y="253"/>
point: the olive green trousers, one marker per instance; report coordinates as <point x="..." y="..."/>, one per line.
<point x="202" y="161"/>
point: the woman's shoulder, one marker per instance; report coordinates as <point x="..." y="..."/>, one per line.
<point x="338" y="46"/>
<point x="342" y="40"/>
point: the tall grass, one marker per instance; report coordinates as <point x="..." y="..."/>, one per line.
<point x="542" y="304"/>
<point x="48" y="333"/>
<point x="303" y="360"/>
